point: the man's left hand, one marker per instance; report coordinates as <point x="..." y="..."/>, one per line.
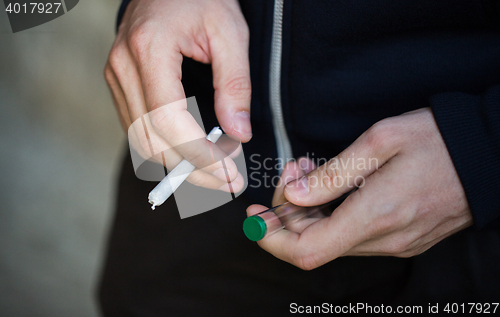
<point x="409" y="197"/>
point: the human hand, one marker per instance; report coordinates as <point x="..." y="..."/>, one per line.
<point x="408" y="201"/>
<point x="293" y="170"/>
<point x="144" y="74"/>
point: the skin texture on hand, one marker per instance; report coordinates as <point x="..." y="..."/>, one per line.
<point x="408" y="201"/>
<point x="144" y="74"/>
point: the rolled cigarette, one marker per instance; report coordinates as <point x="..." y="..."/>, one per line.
<point x="177" y="176"/>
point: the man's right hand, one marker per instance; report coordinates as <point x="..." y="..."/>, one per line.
<point x="144" y="74"/>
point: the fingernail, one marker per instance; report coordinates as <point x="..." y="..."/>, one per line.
<point x="304" y="165"/>
<point x="222" y="174"/>
<point x="241" y="123"/>
<point x="299" y="188"/>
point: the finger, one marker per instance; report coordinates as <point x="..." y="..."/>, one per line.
<point x="148" y="143"/>
<point x="319" y="242"/>
<point x="347" y="170"/>
<point x="156" y="146"/>
<point x="255" y="209"/>
<point x="291" y="171"/>
<point x="169" y="118"/>
<point x="295" y="226"/>
<point x="306" y="164"/>
<point x="235" y="186"/>
<point x="352" y="223"/>
<point x="200" y="178"/>
<point x="118" y="97"/>
<point x="300" y="225"/>
<point x="208" y="157"/>
<point x="298" y="218"/>
<point x="231" y="71"/>
<point x="386" y="226"/>
<point x="145" y="141"/>
<point x="223" y="182"/>
<point x="230" y="145"/>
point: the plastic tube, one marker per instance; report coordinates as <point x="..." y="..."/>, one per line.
<point x="270" y="221"/>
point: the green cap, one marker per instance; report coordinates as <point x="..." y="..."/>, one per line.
<point x="254" y="228"/>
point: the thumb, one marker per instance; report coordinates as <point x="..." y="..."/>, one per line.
<point x="292" y="171"/>
<point x="231" y="71"/>
<point x="345" y="171"/>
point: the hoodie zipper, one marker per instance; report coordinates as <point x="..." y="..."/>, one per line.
<point x="282" y="142"/>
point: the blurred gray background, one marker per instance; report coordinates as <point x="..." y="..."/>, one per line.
<point x="60" y="146"/>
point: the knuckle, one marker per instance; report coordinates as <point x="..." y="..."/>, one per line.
<point x="144" y="145"/>
<point x="139" y="40"/>
<point x="235" y="27"/>
<point x="162" y="120"/>
<point x="199" y="178"/>
<point x="242" y="31"/>
<point x="239" y="87"/>
<point x="382" y="225"/>
<point x="199" y="158"/>
<point x="391" y="219"/>
<point x="108" y="74"/>
<point x="115" y="58"/>
<point x="402" y="216"/>
<point x="405" y="217"/>
<point x="305" y="262"/>
<point x="382" y="134"/>
<point x="399" y="246"/>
